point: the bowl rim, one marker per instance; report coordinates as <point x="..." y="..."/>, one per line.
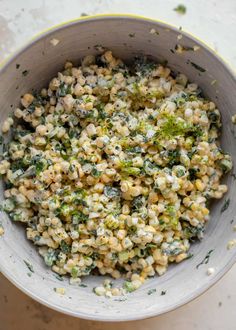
<point x="228" y="66"/>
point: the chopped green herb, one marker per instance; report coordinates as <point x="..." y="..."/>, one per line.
<point x="190" y="255"/>
<point x="83" y="285"/>
<point x="198" y="67"/>
<point x="63" y="89"/>
<point x="74" y="272"/>
<point x="59" y="277"/>
<point x="172" y="127"/>
<point x="29" y="266"/>
<point x="192" y="174"/>
<point x="111" y="192"/>
<point x="131" y="35"/>
<point x="128" y="286"/>
<point x="25" y="73"/>
<point x="180" y="9"/>
<point x="151" y="291"/>
<point x="225" y="205"/>
<point x="137" y="203"/>
<point x="131" y="171"/>
<point x="120" y="299"/>
<point x="163" y="293"/>
<point x="226" y="165"/>
<point x="50" y="257"/>
<point x="79" y="217"/>
<point x="134" y="150"/>
<point x="205" y="260"/>
<point x="95" y="173"/>
<point x="17" y="66"/>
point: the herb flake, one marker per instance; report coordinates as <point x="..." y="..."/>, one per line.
<point x="82" y="285"/>
<point x="29" y="266"/>
<point x="197" y="67"/>
<point x="131" y="35"/>
<point x="205" y="260"/>
<point x="180" y="9"/>
<point x="59" y="277"/>
<point x="151" y="291"/>
<point x="25" y="73"/>
<point x="225" y="205"/>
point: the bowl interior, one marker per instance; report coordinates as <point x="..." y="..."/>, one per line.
<point x="32" y="69"/>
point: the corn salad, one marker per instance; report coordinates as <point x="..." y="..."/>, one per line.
<point x="111" y="169"/>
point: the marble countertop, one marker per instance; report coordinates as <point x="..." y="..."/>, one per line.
<point x="213" y="21"/>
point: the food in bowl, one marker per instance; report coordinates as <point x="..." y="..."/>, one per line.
<point x="111" y="168"/>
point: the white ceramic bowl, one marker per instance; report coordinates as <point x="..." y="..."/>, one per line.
<point x="126" y="36"/>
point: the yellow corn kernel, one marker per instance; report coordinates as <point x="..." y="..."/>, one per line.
<point x="205" y="211"/>
<point x="181" y="257"/>
<point x="199" y="185"/>
<point x="153" y="197"/>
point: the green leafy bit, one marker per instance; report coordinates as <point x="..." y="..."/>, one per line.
<point x="65" y="247"/>
<point x="29" y="266"/>
<point x="50" y="257"/>
<point x="151" y="291"/>
<point x="74" y="272"/>
<point x="205" y="260"/>
<point x="63" y="90"/>
<point x="225" y="164"/>
<point x="174" y="126"/>
<point x="79" y="217"/>
<point x="190" y="256"/>
<point x="192" y="174"/>
<point x="173" y="157"/>
<point x="150" y="167"/>
<point x="25" y="73"/>
<point x="82" y="285"/>
<point x="131" y="35"/>
<point x="59" y="277"/>
<point x="137" y="203"/>
<point x="144" y="66"/>
<point x="180" y="9"/>
<point x="120" y="299"/>
<point x="96" y="173"/>
<point x="197" y="67"/>
<point x="225" y="205"/>
<point x="191" y="232"/>
<point x="134" y="150"/>
<point x="128" y="286"/>
<point x="163" y="292"/>
<point x="131" y="171"/>
<point x="111" y="192"/>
